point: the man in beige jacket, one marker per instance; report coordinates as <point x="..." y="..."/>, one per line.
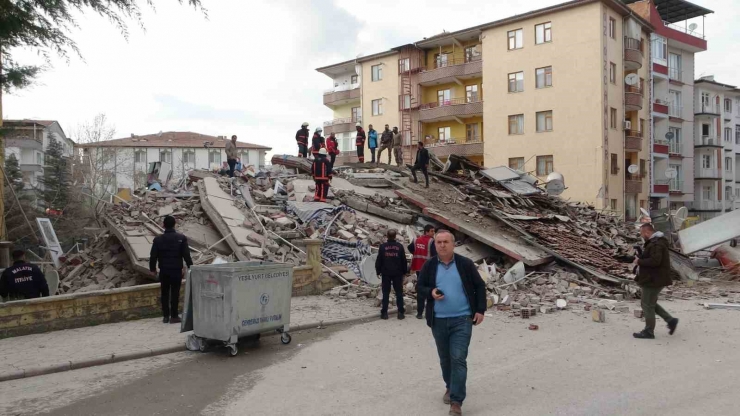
<point x="231" y="155"/>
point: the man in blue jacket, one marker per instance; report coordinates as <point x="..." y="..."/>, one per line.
<point x="372" y="143"/>
<point x="456" y="300"/>
<point x="23" y="280"/>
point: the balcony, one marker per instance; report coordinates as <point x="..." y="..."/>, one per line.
<point x="706" y="205"/>
<point x="450" y="70"/>
<point x="341" y="125"/>
<point x="31" y="167"/>
<point x="675" y="186"/>
<point x="470" y="146"/>
<point x="25" y="144"/>
<point x="660" y="108"/>
<point x="633" y="140"/>
<point x="675" y="111"/>
<point x="708" y="173"/>
<point x="675" y="75"/>
<point x="632" y="186"/>
<point x="342" y="95"/>
<point x="661" y="187"/>
<point x="450" y="109"/>
<point x="708" y="141"/>
<point x="661" y="148"/>
<point x="675" y="148"/>
<point x="708" y="109"/>
<point x="633" y="53"/>
<point x="633" y="97"/>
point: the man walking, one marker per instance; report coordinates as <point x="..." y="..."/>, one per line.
<point x="653" y="275"/>
<point x="421" y="163"/>
<point x="386" y="142"/>
<point x="391" y="266"/>
<point x="322" y="174"/>
<point x="170" y="249"/>
<point x="422" y="249"/>
<point x="317" y="142"/>
<point x="23" y="280"/>
<point x="456" y="300"/>
<point x="332" y="148"/>
<point x="301" y="137"/>
<point x="372" y="141"/>
<point x="360" y="143"/>
<point x="231" y="155"/>
<point x="398" y="146"/>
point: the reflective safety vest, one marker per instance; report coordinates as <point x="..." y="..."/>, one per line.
<point x="321" y="169"/>
<point x="301" y="137"/>
<point x="360" y="139"/>
<point x="422" y="252"/>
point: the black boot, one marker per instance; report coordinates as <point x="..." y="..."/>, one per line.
<point x="672" y="324"/>
<point x="419" y="315"/>
<point x="384" y="315"/>
<point x="401" y="316"/>
<point x="644" y="334"/>
<point x="166" y="320"/>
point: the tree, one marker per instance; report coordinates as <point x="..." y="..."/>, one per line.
<point x="13" y="170"/>
<point x="56" y="179"/>
<point x="17" y="227"/>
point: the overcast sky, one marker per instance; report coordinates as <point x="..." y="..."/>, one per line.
<point x="249" y="68"/>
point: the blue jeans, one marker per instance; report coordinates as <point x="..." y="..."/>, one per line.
<point x="452" y="336"/>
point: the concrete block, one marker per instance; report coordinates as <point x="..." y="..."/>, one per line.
<point x="598" y="315"/>
<point x="622" y="309"/>
<point x="165" y="210"/>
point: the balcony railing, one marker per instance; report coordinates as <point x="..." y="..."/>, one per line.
<point x="708" y="108"/>
<point x="661" y="186"/>
<point x="675" y="110"/>
<point x="633" y="183"/>
<point x="708" y="204"/>
<point x="339" y="88"/>
<point x="631" y="43"/>
<point x="433" y="142"/>
<point x="708" y="141"/>
<point x="633" y="97"/>
<point x="675" y="147"/>
<point x="448" y="70"/>
<point x="336" y="121"/>
<point x="444" y="63"/>
<point x="633" y="140"/>
<point x="675" y="185"/>
<point x="684" y="29"/>
<point x="633" y="53"/>
<point x="451" y="101"/>
<point x="675" y="74"/>
<point x="708" y="173"/>
<point x="341" y="125"/>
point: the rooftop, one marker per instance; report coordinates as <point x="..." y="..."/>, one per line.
<point x="173" y="139"/>
<point x="673" y="11"/>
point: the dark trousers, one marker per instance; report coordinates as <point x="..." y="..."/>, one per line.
<point x="322" y="191"/>
<point x="423" y="170"/>
<point x="650" y="307"/>
<point x="397" y="282"/>
<point x="332" y="158"/>
<point x="372" y="152"/>
<point x="421" y="300"/>
<point x="452" y="336"/>
<point x="302" y="150"/>
<point x="361" y="154"/>
<point x="169" y="284"/>
<point x="232" y="164"/>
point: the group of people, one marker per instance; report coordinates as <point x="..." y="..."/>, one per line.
<point x="390" y="140"/>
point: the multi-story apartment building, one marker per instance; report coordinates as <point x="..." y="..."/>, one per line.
<point x="564" y="88"/>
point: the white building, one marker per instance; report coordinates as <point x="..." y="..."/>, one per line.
<point x="123" y="163"/>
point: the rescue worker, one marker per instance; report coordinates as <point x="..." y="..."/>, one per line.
<point x="301" y="137"/>
<point x="332" y="148"/>
<point x="423" y="249"/>
<point x="360" y="143"/>
<point x="169" y="250"/>
<point x="23" y="280"/>
<point x="398" y="146"/>
<point x="321" y="171"/>
<point x="422" y="163"/>
<point x="372" y="141"/>
<point x="386" y="142"/>
<point x="391" y="266"/>
<point x="317" y="142"/>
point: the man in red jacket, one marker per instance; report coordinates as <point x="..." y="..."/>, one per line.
<point x="423" y="249"/>
<point x="332" y="147"/>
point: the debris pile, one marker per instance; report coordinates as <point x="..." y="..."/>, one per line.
<point x="104" y="265"/>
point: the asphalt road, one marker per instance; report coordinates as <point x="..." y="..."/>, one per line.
<point x="570" y="366"/>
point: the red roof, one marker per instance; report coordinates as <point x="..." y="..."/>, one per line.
<point x="172" y="139"/>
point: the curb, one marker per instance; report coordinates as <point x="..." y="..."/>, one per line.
<point x="168" y="349"/>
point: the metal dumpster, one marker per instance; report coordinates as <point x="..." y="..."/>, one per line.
<point x="234" y="300"/>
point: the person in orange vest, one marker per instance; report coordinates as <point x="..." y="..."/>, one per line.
<point x="317" y="142"/>
<point x="321" y="171"/>
<point x="360" y="143"/>
<point x="423" y="249"/>
<point x="301" y="137"/>
<point x="332" y="147"/>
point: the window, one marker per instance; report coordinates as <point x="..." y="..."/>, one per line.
<point x="377" y="107"/>
<point x="214" y="157"/>
<point x="377" y="72"/>
<point x="544" y="121"/>
<point x="641" y="126"/>
<point x="140" y="156"/>
<point x="543" y="77"/>
<point x="674" y="66"/>
<point x="707" y="192"/>
<point x="705" y="100"/>
<point x="443" y="97"/>
<point x="613" y="204"/>
<point x="544" y="165"/>
<point x="737" y="133"/>
<point x="728" y="135"/>
<point x="675" y="142"/>
<point x="165" y="156"/>
<point x="516" y="124"/>
<point x="188" y="156"/>
<point x="728" y="105"/>
<point x="516" y="82"/>
<point x="728" y="164"/>
<point x="643" y="169"/>
<point x="613" y="118"/>
<point x="443" y="134"/>
<point x="614" y="164"/>
<point x="471" y="94"/>
<point x="612" y="28"/>
<point x="660" y="48"/>
<point x="516" y="39"/>
<point x="516" y="163"/>
<point x="543" y="33"/>
<point x="472" y="133"/>
<point x="706" y="161"/>
<point x="472" y="54"/>
<point x="405" y="101"/>
<point x="39" y="158"/>
<point x="612" y="73"/>
<point x="346" y="143"/>
<point x="353" y="79"/>
<point x="404" y="65"/>
<point x="440" y="60"/>
<point x="356" y="114"/>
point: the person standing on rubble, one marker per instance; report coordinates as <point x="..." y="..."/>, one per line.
<point x="23" y="280"/>
<point x="456" y="300"/>
<point x="231" y="155"/>
<point x="391" y="266"/>
<point x="322" y="174"/>
<point x="654" y="273"/>
<point x="317" y="142"/>
<point x="398" y="147"/>
<point x="301" y="137"/>
<point x="386" y="142"/>
<point x="170" y="250"/>
<point x="332" y="148"/>
<point x="421" y="163"/>
<point x="372" y="141"/>
<point x="422" y="249"/>
<point x="360" y="143"/>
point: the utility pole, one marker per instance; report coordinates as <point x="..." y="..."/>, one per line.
<point x="3" y="229"/>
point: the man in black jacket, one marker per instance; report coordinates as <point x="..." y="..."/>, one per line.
<point x="391" y="266"/>
<point x="23" y="280"/>
<point x="301" y="138"/>
<point x="422" y="163"/>
<point x="456" y="300"/>
<point x="170" y="249"/>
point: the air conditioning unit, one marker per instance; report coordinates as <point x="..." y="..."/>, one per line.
<point x="627" y="125"/>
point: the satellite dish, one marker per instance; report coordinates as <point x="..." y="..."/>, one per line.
<point x="693" y="26"/>
<point x="669" y="135"/>
<point x="555" y="184"/>
<point x="645" y="212"/>
<point x="679" y="217"/>
<point x="633" y="169"/>
<point x="671" y="173"/>
<point x="631" y="79"/>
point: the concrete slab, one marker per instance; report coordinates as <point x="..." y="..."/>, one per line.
<point x="241" y="235"/>
<point x="214" y="189"/>
<point x="141" y="251"/>
<point x="203" y="235"/>
<point x="226" y="208"/>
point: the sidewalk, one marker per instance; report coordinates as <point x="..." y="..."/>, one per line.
<point x="51" y="352"/>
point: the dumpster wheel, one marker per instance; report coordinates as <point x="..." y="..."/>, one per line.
<point x="233" y="351"/>
<point x="285" y="338"/>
